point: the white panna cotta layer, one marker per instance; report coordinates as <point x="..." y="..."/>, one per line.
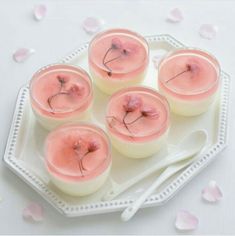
<point x="139" y="149"/>
<point x="189" y="107"/>
<point x="50" y="123"/>
<point x="80" y="188"/>
<point x="109" y="86"/>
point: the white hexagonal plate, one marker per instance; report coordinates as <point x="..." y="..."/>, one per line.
<point x="24" y="149"/>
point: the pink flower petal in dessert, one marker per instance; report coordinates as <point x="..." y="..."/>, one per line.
<point x="92" y="25"/>
<point x="130" y="48"/>
<point x="21" y="54"/>
<point x="39" y="12"/>
<point x="175" y="16"/>
<point x="150" y="112"/>
<point x="212" y="192"/>
<point x="208" y="31"/>
<point x="33" y="211"/>
<point x="132" y="103"/>
<point x="186" y="221"/>
<point x="116" y="43"/>
<point x="93" y="146"/>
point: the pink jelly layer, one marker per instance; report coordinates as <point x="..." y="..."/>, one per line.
<point x="144" y="129"/>
<point x="200" y="84"/>
<point x="62" y="159"/>
<point x="45" y="84"/>
<point x="126" y="66"/>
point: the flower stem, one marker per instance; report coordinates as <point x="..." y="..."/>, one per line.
<point x="124" y="122"/>
<point x="187" y="70"/>
<point x="136" y="119"/>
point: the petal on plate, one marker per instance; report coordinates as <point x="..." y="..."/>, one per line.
<point x="21" y="54"/>
<point x="208" y="31"/>
<point x="186" y="221"/>
<point x="175" y="16"/>
<point x="92" y="25"/>
<point x="212" y="192"/>
<point x="33" y="211"/>
<point x="39" y="12"/>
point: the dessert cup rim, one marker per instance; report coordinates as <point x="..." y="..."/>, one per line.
<point x="43" y="69"/>
<point x="211" y="57"/>
<point x="164" y="127"/>
<point x="79" y="178"/>
<point x="125" y="30"/>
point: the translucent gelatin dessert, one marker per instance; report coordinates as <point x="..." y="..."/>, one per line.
<point x="137" y="121"/>
<point x="118" y="58"/>
<point x="189" y="79"/>
<point x="78" y="158"/>
<point x="60" y="93"/>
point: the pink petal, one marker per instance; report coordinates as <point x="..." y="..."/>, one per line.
<point x="131" y="47"/>
<point x="33" y="211"/>
<point x="132" y="103"/>
<point x="116" y="43"/>
<point x="212" y="192"/>
<point x="186" y="221"/>
<point x="93" y="146"/>
<point x="22" y="54"/>
<point x="39" y="12"/>
<point x="208" y="31"/>
<point x="175" y="16"/>
<point x="92" y="25"/>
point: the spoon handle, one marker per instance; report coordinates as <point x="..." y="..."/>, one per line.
<point x="130" y="211"/>
<point x="118" y="189"/>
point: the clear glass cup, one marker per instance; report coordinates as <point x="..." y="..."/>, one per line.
<point x="60" y="93"/>
<point x="78" y="158"/>
<point x="137" y="120"/>
<point x="118" y="58"/>
<point x="189" y="78"/>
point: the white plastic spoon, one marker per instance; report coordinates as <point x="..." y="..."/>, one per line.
<point x="130" y="211"/>
<point x="189" y="146"/>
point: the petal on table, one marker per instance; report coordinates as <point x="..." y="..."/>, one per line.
<point x="208" y="31"/>
<point x="21" y="54"/>
<point x="212" y="192"/>
<point x="39" y="12"/>
<point x="92" y="25"/>
<point x="33" y="211"/>
<point x="175" y="16"/>
<point x="186" y="221"/>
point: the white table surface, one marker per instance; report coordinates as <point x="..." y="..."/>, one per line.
<point x="54" y="37"/>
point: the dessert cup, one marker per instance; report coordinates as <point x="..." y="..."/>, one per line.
<point x="118" y="58"/>
<point x="137" y="121"/>
<point x="189" y="79"/>
<point x="60" y="93"/>
<point x="78" y="158"/>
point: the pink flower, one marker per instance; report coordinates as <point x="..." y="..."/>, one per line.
<point x="93" y="146"/>
<point x="130" y="48"/>
<point x="132" y="103"/>
<point x="63" y="79"/>
<point x="116" y="43"/>
<point x="76" y="90"/>
<point x="150" y="112"/>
